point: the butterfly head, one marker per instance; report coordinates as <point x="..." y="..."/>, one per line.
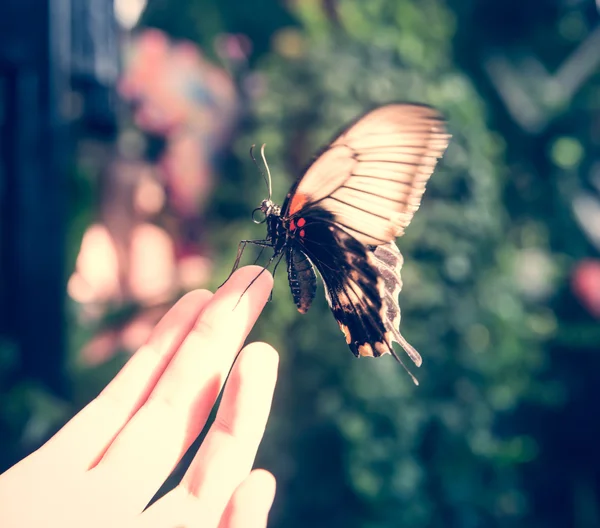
<point x="267" y="208"/>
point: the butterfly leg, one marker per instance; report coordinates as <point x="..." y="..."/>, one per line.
<point x="262" y="249"/>
<point x="241" y="247"/>
<point x="275" y="255"/>
<point x="275" y="271"/>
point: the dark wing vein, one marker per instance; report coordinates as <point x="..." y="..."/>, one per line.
<point x="331" y="197"/>
<point x="377" y="195"/>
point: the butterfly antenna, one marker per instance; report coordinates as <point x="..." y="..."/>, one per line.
<point x="262" y="153"/>
<point x="267" y="181"/>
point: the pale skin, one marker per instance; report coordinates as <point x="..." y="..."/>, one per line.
<point x="104" y="466"/>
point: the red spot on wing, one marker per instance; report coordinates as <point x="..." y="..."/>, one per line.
<point x="301" y="222"/>
<point x="302" y="233"/>
<point x="292" y="226"/>
<point x="297" y="203"/>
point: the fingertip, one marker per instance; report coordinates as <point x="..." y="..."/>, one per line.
<point x="260" y="489"/>
<point x="179" y="317"/>
<point x="190" y="301"/>
<point x="193" y="297"/>
<point x="265" y="480"/>
<point x="261" y="353"/>
<point x="257" y="366"/>
<point x="251" y="502"/>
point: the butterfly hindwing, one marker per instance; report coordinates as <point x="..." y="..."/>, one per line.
<point x="361" y="285"/>
<point x="389" y="262"/>
<point x="351" y="283"/>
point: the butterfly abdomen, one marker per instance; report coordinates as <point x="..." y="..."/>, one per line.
<point x="302" y="278"/>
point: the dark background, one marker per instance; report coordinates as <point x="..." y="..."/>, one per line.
<point x="502" y="268"/>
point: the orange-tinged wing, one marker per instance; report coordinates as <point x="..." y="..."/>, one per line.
<point x="372" y="177"/>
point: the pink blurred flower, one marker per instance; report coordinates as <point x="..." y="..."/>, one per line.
<point x="585" y="282"/>
<point x="148" y="245"/>
<point x="174" y="86"/>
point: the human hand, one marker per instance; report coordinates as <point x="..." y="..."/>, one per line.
<point x="104" y="466"/>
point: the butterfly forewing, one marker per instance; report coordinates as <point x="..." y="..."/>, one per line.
<point x="372" y="177"/>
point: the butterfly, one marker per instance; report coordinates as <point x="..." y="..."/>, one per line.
<point x="342" y="217"/>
